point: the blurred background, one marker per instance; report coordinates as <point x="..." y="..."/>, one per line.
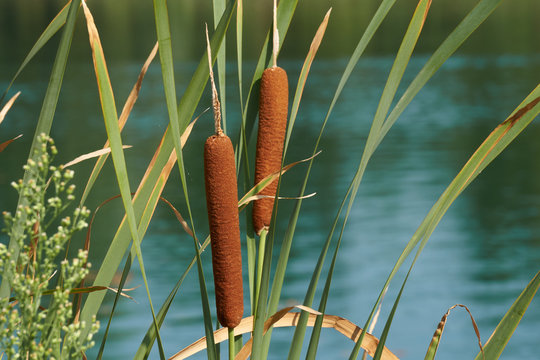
<point x="484" y="252"/>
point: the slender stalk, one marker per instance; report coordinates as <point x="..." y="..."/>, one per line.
<point x="232" y="347"/>
<point x="260" y="261"/>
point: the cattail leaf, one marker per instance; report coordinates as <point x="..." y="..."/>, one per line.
<point x="123" y="279"/>
<point x="494" y="144"/>
<point x="461" y="33"/>
<point x="45" y="119"/>
<point x="53" y="27"/>
<point x="167" y="70"/>
<point x="113" y="132"/>
<point x="378" y="17"/>
<point x="128" y="106"/>
<point x="313" y="48"/>
<point x="504" y="330"/>
<point x="394" y="78"/>
<point x="151" y="185"/>
<point x="287" y="318"/>
<point x="146" y="345"/>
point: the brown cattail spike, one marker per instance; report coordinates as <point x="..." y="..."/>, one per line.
<point x="273" y="107"/>
<point x="222" y="204"/>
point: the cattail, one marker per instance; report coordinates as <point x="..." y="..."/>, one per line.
<point x="273" y="107"/>
<point x="222" y="205"/>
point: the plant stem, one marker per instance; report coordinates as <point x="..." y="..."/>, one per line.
<point x="232" y="348"/>
<point x="260" y="260"/>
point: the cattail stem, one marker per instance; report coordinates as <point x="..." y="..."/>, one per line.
<point x="232" y="344"/>
<point x="215" y="98"/>
<point x="260" y="261"/>
<point x="275" y="38"/>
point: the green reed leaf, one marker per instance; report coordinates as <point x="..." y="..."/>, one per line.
<point x="110" y="117"/>
<point x="167" y="69"/>
<point x="494" y="144"/>
<point x="372" y="27"/>
<point x="53" y="27"/>
<point x="504" y="330"/>
<point x="154" y="179"/>
<point x="47" y="113"/>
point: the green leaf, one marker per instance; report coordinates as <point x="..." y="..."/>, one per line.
<point x="503" y="332"/>
<point x="167" y="69"/>
<point x="125" y="272"/>
<point x="380" y="14"/>
<point x="53" y="27"/>
<point x="145" y="200"/>
<point x="468" y="25"/>
<point x="110" y="117"/>
<point x="46" y="115"/>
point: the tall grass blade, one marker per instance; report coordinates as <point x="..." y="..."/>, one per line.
<point x="128" y="106"/>
<point x="394" y="79"/>
<point x="167" y="69"/>
<point x="494" y="144"/>
<point x="46" y="116"/>
<point x="468" y="25"/>
<point x="382" y="11"/>
<point x="285" y="247"/>
<point x="498" y="340"/>
<point x="125" y="272"/>
<point x="263" y="307"/>
<point x="53" y="27"/>
<point x="113" y="132"/>
<point x="146" y="345"/>
<point x="153" y="180"/>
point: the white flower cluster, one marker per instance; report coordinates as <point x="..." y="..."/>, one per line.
<point x="37" y="322"/>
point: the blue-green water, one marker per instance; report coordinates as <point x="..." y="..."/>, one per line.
<point x="482" y="255"/>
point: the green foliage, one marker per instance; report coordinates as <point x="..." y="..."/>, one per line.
<point x="37" y="322"/>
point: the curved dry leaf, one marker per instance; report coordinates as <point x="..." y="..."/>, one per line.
<point x="89" y="289"/>
<point x="179" y="217"/>
<point x="8" y="105"/>
<point x="92" y="155"/>
<point x="285" y="318"/>
<point x="5" y="144"/>
<point x="134" y="94"/>
<point x="261" y="185"/>
<point x="246" y="201"/>
<point x="437" y="335"/>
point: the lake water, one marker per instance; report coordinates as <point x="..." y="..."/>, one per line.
<point x="484" y="252"/>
